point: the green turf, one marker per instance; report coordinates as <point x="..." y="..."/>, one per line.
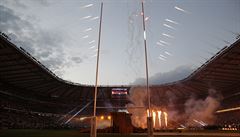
<point x="76" y="133"/>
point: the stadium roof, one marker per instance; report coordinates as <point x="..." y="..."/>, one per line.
<point x="19" y="70"/>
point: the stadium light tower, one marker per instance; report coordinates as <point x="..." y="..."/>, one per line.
<point x="93" y="120"/>
<point x="149" y="117"/>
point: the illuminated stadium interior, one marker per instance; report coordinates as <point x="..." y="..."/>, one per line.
<point x="33" y="96"/>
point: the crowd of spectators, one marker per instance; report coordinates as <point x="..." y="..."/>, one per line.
<point x="19" y="113"/>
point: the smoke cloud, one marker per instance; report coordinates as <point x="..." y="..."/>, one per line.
<point x="138" y="96"/>
<point x="194" y="111"/>
<point x="202" y="109"/>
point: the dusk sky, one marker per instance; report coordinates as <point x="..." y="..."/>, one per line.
<point x="63" y="35"/>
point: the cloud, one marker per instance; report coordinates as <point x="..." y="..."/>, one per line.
<point x="77" y="60"/>
<point x="45" y="45"/>
<point x="160" y="78"/>
<point x="14" y="3"/>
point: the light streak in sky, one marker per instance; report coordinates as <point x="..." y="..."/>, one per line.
<point x="164" y="42"/>
<point x="171" y="21"/>
<point x="168" y="26"/>
<point x="167" y="35"/>
<point x="89" y="5"/>
<point x="160" y="44"/>
<point x="91" y="42"/>
<point x="92" y="47"/>
<point x="168" y="53"/>
<point x="161" y="58"/>
<point x="88" y="29"/>
<point x="94" y="55"/>
<point x="86" y="17"/>
<point x="94" y="18"/>
<point x="84" y="37"/>
<point x="180" y="9"/>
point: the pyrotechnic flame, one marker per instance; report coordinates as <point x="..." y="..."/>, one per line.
<point x="154" y="118"/>
<point x="159" y="118"/>
<point x="148" y="113"/>
<point x="165" y="118"/>
<point x="171" y="21"/>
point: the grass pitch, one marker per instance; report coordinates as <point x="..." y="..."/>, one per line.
<point x="76" y="133"/>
